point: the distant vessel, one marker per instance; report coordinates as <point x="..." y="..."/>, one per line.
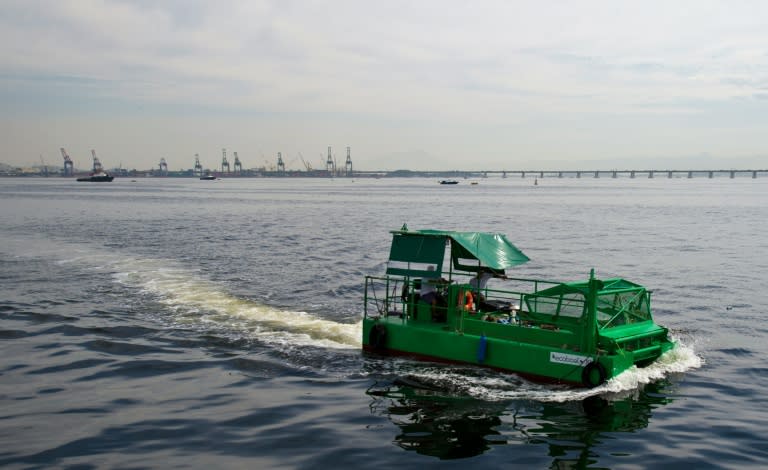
<point x="449" y="182"/>
<point x="208" y="177"/>
<point x="97" y="177"/>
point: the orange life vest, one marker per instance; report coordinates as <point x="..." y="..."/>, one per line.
<point x="466" y="300"/>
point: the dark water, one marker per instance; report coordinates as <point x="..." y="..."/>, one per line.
<point x="164" y="323"/>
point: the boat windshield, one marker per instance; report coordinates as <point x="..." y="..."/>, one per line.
<point x="623" y="308"/>
<point x="567" y="304"/>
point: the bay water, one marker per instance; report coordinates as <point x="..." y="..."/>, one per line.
<point x="179" y="323"/>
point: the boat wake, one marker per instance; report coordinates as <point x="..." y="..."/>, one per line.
<point x="198" y="303"/>
<point x="178" y="296"/>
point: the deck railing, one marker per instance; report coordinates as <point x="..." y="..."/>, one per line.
<point x="386" y="296"/>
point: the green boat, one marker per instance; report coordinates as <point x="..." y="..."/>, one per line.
<point x="433" y="303"/>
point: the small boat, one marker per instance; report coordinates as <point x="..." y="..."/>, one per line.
<point x="448" y="182"/>
<point x="580" y="333"/>
<point x="208" y="177"/>
<point x="101" y="177"/>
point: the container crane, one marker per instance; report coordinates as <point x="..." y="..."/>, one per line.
<point x="163" y="167"/>
<point x="96" y="162"/>
<point x="224" y="162"/>
<point x="348" y="164"/>
<point x="330" y="165"/>
<point x="306" y="164"/>
<point x="44" y="170"/>
<point x="69" y="167"/>
<point x="280" y="163"/>
<point x="238" y="165"/>
<point x="198" y="167"/>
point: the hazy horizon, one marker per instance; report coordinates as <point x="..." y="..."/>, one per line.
<point x="407" y="85"/>
<point x="701" y="163"/>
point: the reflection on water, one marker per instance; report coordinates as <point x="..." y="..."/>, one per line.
<point x="436" y="423"/>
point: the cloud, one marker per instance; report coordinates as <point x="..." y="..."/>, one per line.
<point x="440" y="77"/>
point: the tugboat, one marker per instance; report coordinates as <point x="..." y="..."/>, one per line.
<point x="448" y="182"/>
<point x="579" y="333"/>
<point x="100" y="177"/>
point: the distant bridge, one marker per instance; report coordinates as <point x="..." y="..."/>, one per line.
<point x="625" y="173"/>
<point x="731" y="173"/>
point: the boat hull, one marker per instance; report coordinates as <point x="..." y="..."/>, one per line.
<point x="539" y="362"/>
<point x="96" y="179"/>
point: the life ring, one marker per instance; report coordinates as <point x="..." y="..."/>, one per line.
<point x="466" y="300"/>
<point x="587" y="375"/>
<point x="377" y="337"/>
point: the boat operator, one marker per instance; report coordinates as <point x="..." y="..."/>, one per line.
<point x="479" y="283"/>
<point x="430" y="295"/>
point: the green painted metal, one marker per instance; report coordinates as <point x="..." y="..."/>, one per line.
<point x="413" y="252"/>
<point x="580" y="333"/>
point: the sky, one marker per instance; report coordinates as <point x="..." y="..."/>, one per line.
<point x="420" y="85"/>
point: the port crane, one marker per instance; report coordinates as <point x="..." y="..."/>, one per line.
<point x="96" y="162"/>
<point x="224" y="162"/>
<point x="306" y="164"/>
<point x="348" y="164"/>
<point x="330" y="164"/>
<point x="163" y="167"/>
<point x="280" y="163"/>
<point x="198" y="167"/>
<point x="69" y="167"/>
<point x="238" y="165"/>
<point x="45" y="167"/>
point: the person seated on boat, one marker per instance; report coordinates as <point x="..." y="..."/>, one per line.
<point x="479" y="283"/>
<point x="430" y="295"/>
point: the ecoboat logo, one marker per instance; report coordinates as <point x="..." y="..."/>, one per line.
<point x="562" y="358"/>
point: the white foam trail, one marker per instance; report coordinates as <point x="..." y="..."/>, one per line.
<point x="494" y="386"/>
<point x="198" y="301"/>
<point x="680" y="359"/>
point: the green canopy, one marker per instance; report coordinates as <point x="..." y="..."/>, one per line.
<point x="421" y="252"/>
<point x="604" y="287"/>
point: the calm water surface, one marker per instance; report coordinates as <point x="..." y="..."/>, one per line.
<point x="167" y="323"/>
